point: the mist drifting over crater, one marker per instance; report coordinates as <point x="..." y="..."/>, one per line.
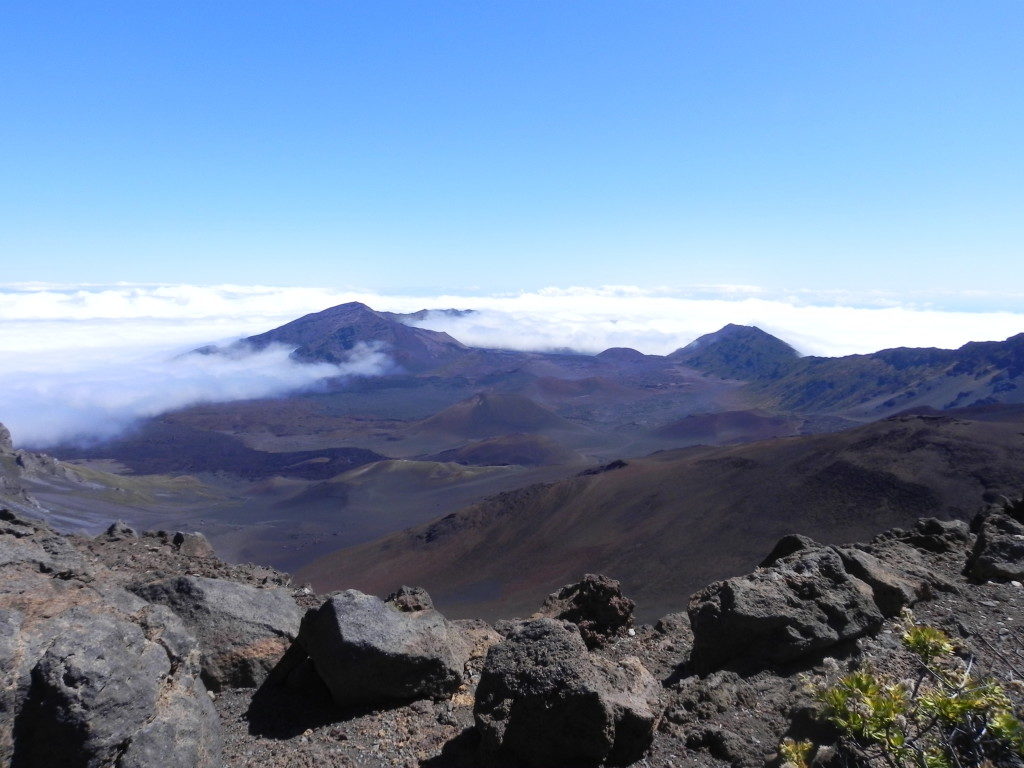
<point x="82" y="363"/>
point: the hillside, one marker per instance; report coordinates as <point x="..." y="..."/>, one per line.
<point x="667" y="523"/>
<point x="492" y="415"/>
<point x="739" y="352"/>
<point x="145" y="649"/>
<point x="867" y="385"/>
<point x="331" y="335"/>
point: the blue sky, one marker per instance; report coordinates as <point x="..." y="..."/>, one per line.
<point x="486" y="146"/>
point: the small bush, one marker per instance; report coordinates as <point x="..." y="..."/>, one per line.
<point x="945" y="718"/>
<point x="796" y="752"/>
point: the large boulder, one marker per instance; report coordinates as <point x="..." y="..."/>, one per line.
<point x="192" y="544"/>
<point x="595" y="604"/>
<point x="786" y="546"/>
<point x="804" y="603"/>
<point x="545" y="700"/>
<point x="90" y="674"/>
<point x="6" y="445"/>
<point x="892" y="590"/>
<point x="372" y="652"/>
<point x="98" y="698"/>
<point x="243" y="631"/>
<point x="998" y="553"/>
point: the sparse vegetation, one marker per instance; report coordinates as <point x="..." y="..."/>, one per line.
<point x="942" y="717"/>
<point x="797" y="753"/>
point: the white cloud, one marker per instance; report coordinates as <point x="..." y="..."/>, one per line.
<point x="660" y="324"/>
<point x="67" y="396"/>
<point x="86" y="360"/>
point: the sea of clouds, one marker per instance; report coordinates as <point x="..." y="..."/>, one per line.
<point x="82" y="362"/>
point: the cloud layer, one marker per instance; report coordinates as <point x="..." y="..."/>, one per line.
<point x="82" y="362"/>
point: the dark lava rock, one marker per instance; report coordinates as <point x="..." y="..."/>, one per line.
<point x="891" y="591"/>
<point x="804" y="603"/>
<point x="408" y="599"/>
<point x="936" y="535"/>
<point x="595" y="604"/>
<point x="120" y="530"/>
<point x="90" y="674"/>
<point x="243" y="631"/>
<point x="94" y="695"/>
<point x="191" y="544"/>
<point x="998" y="553"/>
<point x="371" y="652"/>
<point x="786" y="546"/>
<point x="546" y="701"/>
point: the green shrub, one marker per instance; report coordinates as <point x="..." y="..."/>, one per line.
<point x="796" y="752"/>
<point x="943" y="718"/>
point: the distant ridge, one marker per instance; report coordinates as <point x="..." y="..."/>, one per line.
<point x="739" y="352"/>
<point x="331" y="335"/>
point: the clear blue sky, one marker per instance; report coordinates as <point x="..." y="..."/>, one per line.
<point x="510" y="145"/>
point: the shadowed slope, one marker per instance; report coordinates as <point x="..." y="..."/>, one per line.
<point x="729" y="427"/>
<point x="527" y="450"/>
<point x="489" y="414"/>
<point x="671" y="522"/>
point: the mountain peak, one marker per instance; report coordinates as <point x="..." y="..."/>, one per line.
<point x="738" y="352"/>
<point x="331" y="334"/>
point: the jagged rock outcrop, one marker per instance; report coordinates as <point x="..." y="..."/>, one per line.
<point x="91" y="674"/>
<point x="409" y="599"/>
<point x="243" y="631"/>
<point x="803" y="603"/>
<point x="6" y="444"/>
<point x="806" y="597"/>
<point x="545" y="700"/>
<point x="369" y="651"/>
<point x="192" y="544"/>
<point x="595" y="604"/>
<point x="891" y="591"/>
<point x="786" y="546"/>
<point x="120" y="530"/>
<point x="998" y="553"/>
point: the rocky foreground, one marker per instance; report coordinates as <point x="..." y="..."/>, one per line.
<point x="134" y="650"/>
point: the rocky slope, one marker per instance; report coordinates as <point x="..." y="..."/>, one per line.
<point x="145" y="650"/>
<point x="668" y="523"/>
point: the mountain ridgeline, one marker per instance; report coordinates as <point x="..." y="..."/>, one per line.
<point x="977" y="373"/>
<point x="332" y="335"/>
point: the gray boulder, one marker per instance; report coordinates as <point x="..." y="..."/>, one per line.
<point x="243" y="631"/>
<point x="120" y="530"/>
<point x="408" y="599"/>
<point x="934" y="535"/>
<point x="786" y="546"/>
<point x="90" y="674"/>
<point x="545" y="700"/>
<point x="6" y="445"/>
<point x="892" y="591"/>
<point x="998" y="553"/>
<point x="192" y="544"/>
<point x="371" y="652"/>
<point x="595" y="604"/>
<point x="804" y="603"/>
